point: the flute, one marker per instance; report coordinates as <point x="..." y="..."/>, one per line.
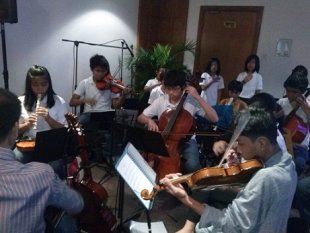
<point x="37" y="105"/>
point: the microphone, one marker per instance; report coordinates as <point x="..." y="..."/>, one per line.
<point x="127" y="47"/>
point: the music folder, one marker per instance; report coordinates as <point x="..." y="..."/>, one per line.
<point x="136" y="173"/>
<point x="147" y="141"/>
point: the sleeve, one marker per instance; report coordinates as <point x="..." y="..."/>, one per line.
<point x="80" y="90"/>
<point x="153" y="109"/>
<point x="244" y="212"/>
<point x="24" y="114"/>
<point x="259" y="82"/>
<point x="152" y="97"/>
<point x="64" y="197"/>
<point x="62" y="109"/>
<point x="240" y="77"/>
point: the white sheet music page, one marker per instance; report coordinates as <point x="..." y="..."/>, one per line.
<point x="136" y="172"/>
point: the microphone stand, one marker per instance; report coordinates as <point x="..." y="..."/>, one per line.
<point x="5" y="69"/>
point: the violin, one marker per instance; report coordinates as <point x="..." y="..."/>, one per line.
<point x="239" y="174"/>
<point x="108" y="82"/>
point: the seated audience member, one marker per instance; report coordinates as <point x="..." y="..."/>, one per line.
<point x="257" y="207"/>
<point x="27" y="189"/>
<point x="155" y="82"/>
<point x="175" y="87"/>
<point x="251" y="79"/>
<point x="42" y="109"/>
<point x="212" y="82"/>
<point x="296" y="85"/>
<point x="234" y="89"/>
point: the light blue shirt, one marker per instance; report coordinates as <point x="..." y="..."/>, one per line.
<point x="26" y="190"/>
<point x="262" y="206"/>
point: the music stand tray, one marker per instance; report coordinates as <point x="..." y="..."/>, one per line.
<point x="52" y="145"/>
<point x="147" y="141"/>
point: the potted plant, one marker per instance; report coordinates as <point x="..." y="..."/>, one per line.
<point x="145" y="62"/>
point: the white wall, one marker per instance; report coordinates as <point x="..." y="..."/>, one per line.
<point x="42" y="24"/>
<point x="281" y="19"/>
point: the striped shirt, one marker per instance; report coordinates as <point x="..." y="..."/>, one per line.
<point x="25" y="192"/>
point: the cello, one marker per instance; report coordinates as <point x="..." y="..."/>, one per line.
<point x="174" y="131"/>
<point x="96" y="216"/>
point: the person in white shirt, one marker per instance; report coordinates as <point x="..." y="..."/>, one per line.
<point x="155" y="82"/>
<point x="251" y="79"/>
<point x="212" y="82"/>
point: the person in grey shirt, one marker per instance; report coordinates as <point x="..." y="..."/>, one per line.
<point x="263" y="205"/>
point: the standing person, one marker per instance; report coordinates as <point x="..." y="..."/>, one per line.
<point x="213" y="83"/>
<point x="42" y="109"/>
<point x="27" y="189"/>
<point x="263" y="205"/>
<point x="250" y="77"/>
<point x="295" y="86"/>
<point x="94" y="97"/>
<point x="155" y="82"/>
<point x="175" y="87"/>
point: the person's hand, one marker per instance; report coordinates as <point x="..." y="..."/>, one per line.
<point x="248" y="77"/>
<point x="176" y="190"/>
<point x="32" y="119"/>
<point x="192" y="91"/>
<point x="41" y="111"/>
<point x="126" y="90"/>
<point x="152" y="126"/>
<point x="219" y="147"/>
<point x="92" y="102"/>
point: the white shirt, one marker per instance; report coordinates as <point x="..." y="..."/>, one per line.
<point x="155" y="93"/>
<point x="249" y="88"/>
<point x="151" y="82"/>
<point x="87" y="89"/>
<point x="161" y="104"/>
<point x="287" y="108"/>
<point x="210" y="94"/>
<point x="57" y="112"/>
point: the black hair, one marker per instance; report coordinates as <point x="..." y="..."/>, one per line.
<point x="261" y="123"/>
<point x="265" y="101"/>
<point x="10" y="110"/>
<point x="30" y="97"/>
<point x="235" y="86"/>
<point x="212" y="60"/>
<point x="174" y="78"/>
<point x="301" y="70"/>
<point x="99" y="60"/>
<point x="257" y="63"/>
<point x="297" y="81"/>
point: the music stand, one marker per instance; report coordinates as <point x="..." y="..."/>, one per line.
<point x="52" y="145"/>
<point x="147" y="141"/>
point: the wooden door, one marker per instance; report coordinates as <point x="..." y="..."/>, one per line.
<point x="230" y="34"/>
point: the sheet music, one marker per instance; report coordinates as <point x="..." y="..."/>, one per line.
<point x="141" y="227"/>
<point x="136" y="173"/>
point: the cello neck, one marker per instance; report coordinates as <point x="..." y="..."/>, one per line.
<point x="173" y="118"/>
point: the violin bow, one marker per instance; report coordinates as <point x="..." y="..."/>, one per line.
<point x="242" y="121"/>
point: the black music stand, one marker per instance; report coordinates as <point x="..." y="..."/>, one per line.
<point x="147" y="141"/>
<point x="99" y="137"/>
<point x="54" y="144"/>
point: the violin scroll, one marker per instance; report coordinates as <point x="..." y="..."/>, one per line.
<point x="146" y="195"/>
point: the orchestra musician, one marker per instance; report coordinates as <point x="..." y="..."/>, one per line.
<point x="95" y="97"/>
<point x="295" y="86"/>
<point x="27" y="189"/>
<point x="42" y="109"/>
<point x="175" y="87"/>
<point x="263" y="205"/>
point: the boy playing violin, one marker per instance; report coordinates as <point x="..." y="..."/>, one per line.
<point x="263" y="205"/>
<point x="93" y="98"/>
<point x="175" y="87"/>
